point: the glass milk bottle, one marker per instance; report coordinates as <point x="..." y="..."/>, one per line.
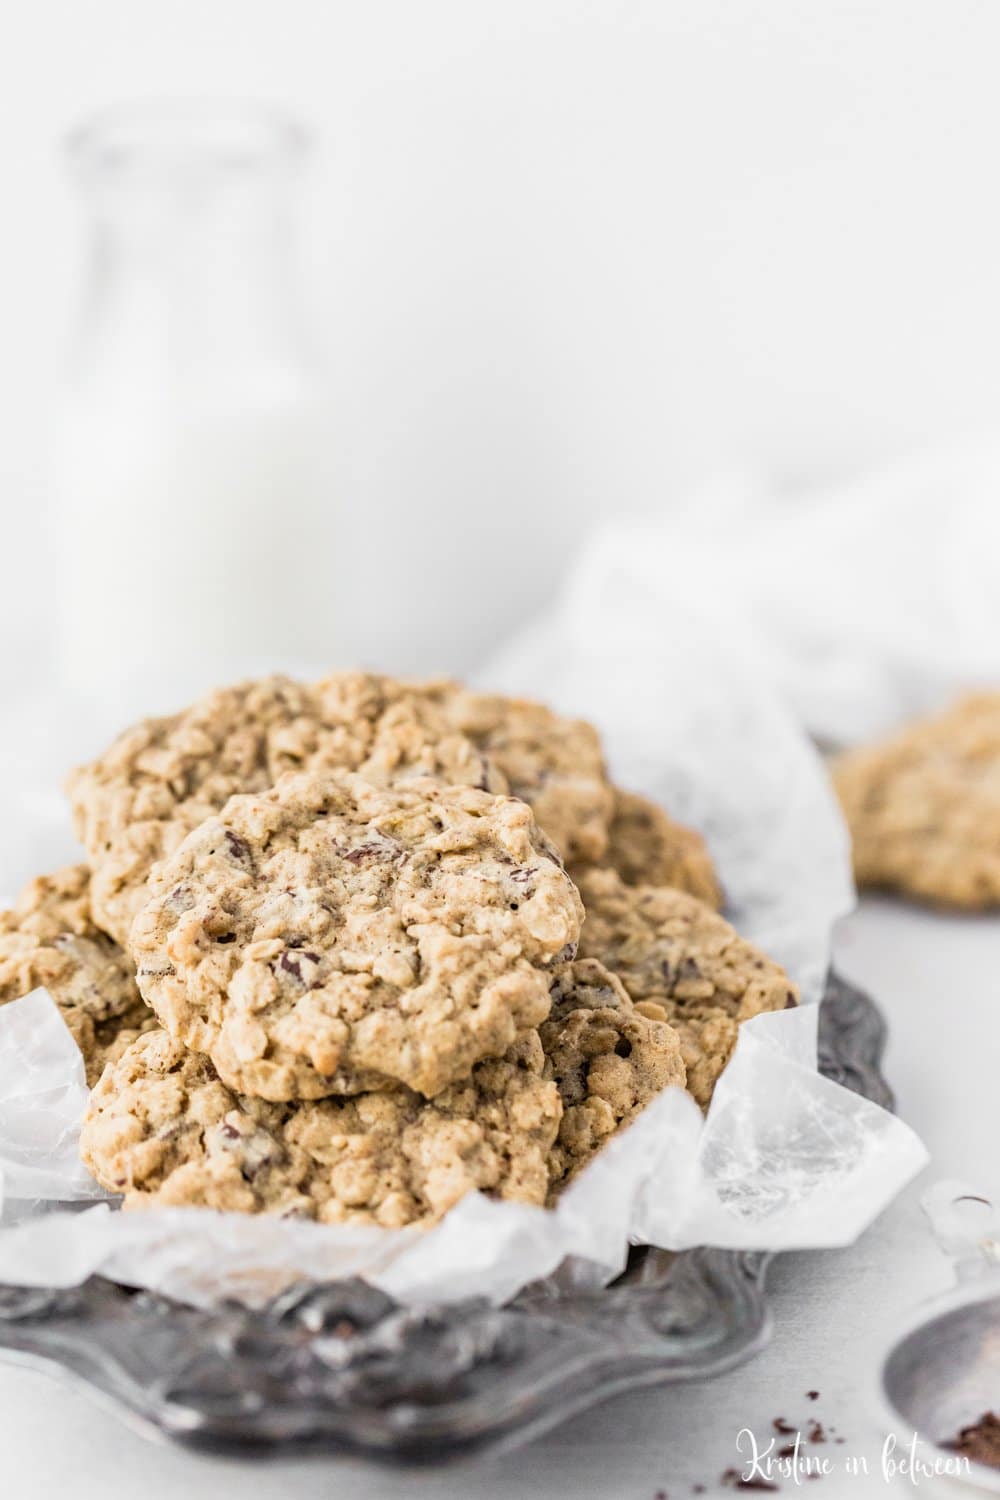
<point x="193" y="508"/>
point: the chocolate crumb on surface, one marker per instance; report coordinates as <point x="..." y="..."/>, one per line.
<point x="780" y="1425"/>
<point x="812" y="1395"/>
<point x="980" y="1441"/>
<point x="816" y="1432"/>
<point x="734" y="1479"/>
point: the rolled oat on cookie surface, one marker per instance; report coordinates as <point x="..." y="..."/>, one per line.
<point x="48" y="940"/>
<point x="165" y="1131"/>
<point x="330" y="936"/>
<point x="923" y="807"/>
<point x="681" y="962"/>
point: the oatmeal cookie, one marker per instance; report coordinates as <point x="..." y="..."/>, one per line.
<point x="103" y="1042"/>
<point x="48" y="941"/>
<point x="646" y="847"/>
<point x="680" y="961"/>
<point x="161" y="778"/>
<point x="554" y="764"/>
<point x="608" y="1059"/>
<point x="923" y="807"/>
<point x="164" y="1130"/>
<point x="330" y="936"/>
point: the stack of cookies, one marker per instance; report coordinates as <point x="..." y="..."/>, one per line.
<point x="353" y="949"/>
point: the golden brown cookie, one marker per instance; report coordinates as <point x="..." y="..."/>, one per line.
<point x="48" y="941"/>
<point x="646" y="847"/>
<point x="164" y="1130"/>
<point x="680" y="961"/>
<point x="608" y="1059"/>
<point x="164" y="776"/>
<point x="103" y="1042"/>
<point x="329" y="936"/>
<point x="554" y="764"/>
<point x="923" y="807"/>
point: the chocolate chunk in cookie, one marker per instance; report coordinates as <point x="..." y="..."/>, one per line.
<point x="331" y="936"/>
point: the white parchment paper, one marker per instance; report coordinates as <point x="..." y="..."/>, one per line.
<point x="785" y="1159"/>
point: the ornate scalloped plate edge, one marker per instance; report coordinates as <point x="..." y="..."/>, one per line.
<point x="344" y="1368"/>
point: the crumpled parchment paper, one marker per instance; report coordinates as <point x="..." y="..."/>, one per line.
<point x="785" y="1159"/>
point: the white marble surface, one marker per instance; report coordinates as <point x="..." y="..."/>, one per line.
<point x="833" y="1311"/>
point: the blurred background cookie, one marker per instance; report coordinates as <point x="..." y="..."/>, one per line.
<point x="923" y="806"/>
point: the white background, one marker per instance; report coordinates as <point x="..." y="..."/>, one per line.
<point x="567" y="259"/>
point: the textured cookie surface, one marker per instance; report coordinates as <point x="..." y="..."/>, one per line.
<point x="554" y="764"/>
<point x="680" y="961"/>
<point x="329" y="935"/>
<point x="48" y="940"/>
<point x="103" y="1042"/>
<point x="646" y="847"/>
<point x="608" y="1059"/>
<point x="923" y="808"/>
<point x="163" y="1129"/>
<point x="164" y="776"/>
